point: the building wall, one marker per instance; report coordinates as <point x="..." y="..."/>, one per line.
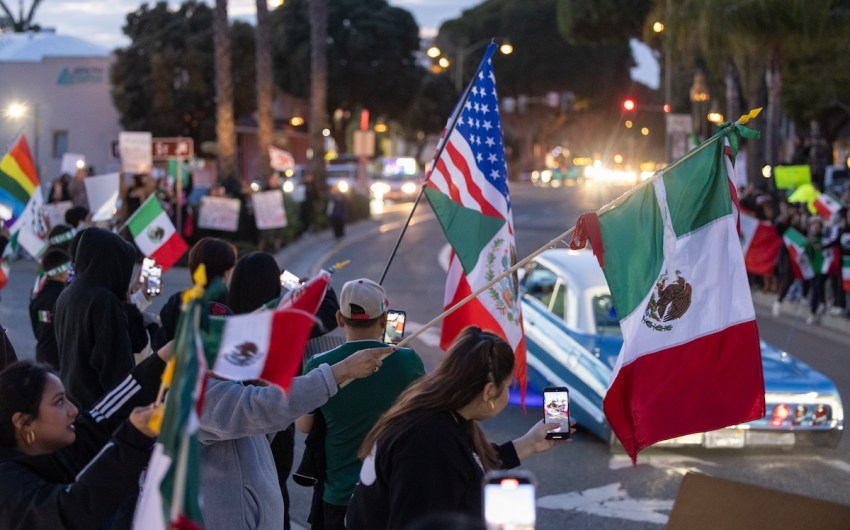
<point x="71" y="94"/>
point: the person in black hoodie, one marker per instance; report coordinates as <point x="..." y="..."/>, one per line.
<point x="97" y="331"/>
<point x="57" y="469"/>
<point x="56" y="263"/>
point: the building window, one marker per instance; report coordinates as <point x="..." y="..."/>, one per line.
<point x="60" y="143"/>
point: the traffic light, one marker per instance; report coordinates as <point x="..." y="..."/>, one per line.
<point x="629" y="104"/>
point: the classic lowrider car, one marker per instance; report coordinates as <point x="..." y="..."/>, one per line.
<point x="573" y="338"/>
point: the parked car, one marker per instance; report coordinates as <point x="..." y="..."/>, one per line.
<point x="573" y="338"/>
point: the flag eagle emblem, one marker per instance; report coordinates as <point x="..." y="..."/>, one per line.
<point x="156" y="233"/>
<point x="244" y="354"/>
<point x="670" y="301"/>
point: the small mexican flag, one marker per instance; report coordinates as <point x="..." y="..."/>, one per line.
<point x="798" y="247"/>
<point x="674" y="264"/>
<point x="265" y="344"/>
<point x="155" y="235"/>
<point x="827" y="206"/>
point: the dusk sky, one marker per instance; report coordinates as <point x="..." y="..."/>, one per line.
<point x="100" y="21"/>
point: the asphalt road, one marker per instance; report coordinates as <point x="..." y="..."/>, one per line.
<point x="582" y="484"/>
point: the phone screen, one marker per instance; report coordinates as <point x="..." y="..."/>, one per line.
<point x="509" y="501"/>
<point x="395" y="326"/>
<point x="556" y="409"/>
<point x="151" y="277"/>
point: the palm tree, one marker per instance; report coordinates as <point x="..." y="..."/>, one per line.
<point x="318" y="92"/>
<point x="265" y="86"/>
<point x="225" y="126"/>
<point x="22" y="23"/>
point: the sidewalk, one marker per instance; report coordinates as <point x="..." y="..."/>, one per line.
<point x="800" y="311"/>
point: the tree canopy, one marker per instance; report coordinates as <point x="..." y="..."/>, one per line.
<point x="371" y="48"/>
<point x="163" y="81"/>
<point x="25" y="21"/>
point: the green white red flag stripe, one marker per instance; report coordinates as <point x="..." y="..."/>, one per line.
<point x="468" y="191"/>
<point x="827" y="207"/>
<point x="690" y="360"/>
<point x="265" y="344"/>
<point x="171" y="493"/>
<point x="155" y="235"/>
<point x="761" y="244"/>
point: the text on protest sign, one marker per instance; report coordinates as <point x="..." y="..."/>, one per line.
<point x="219" y="213"/>
<point x="268" y="209"/>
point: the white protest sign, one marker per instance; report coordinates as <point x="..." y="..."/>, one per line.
<point x="268" y="209"/>
<point x="135" y="149"/>
<point x="55" y="212"/>
<point x="204" y="176"/>
<point x="102" y="191"/>
<point x="219" y="213"/>
<point x="71" y="162"/>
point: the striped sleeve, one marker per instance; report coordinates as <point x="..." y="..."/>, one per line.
<point x="138" y="388"/>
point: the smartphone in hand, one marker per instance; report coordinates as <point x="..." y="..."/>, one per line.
<point x="394" y="331"/>
<point x="509" y="500"/>
<point x="151" y="277"/>
<point x="556" y="409"/>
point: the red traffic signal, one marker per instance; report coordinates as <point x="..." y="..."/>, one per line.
<point x="629" y="104"/>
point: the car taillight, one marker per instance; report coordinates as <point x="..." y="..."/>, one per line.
<point x="820" y="415"/>
<point x="780" y="414"/>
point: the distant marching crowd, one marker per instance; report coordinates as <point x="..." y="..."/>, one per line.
<point x="807" y="268"/>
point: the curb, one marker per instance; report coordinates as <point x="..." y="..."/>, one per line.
<point x="801" y="311"/>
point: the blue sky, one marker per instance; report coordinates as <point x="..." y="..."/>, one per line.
<point x="100" y="21"/>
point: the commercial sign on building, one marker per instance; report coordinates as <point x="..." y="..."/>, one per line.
<point x="167" y="148"/>
<point x="81" y="75"/>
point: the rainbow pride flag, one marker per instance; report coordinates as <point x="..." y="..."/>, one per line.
<point x="21" y="198"/>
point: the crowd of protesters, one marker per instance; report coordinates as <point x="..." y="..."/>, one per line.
<point x="74" y="423"/>
<point x="823" y="291"/>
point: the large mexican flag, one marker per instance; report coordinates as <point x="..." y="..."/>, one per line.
<point x="690" y="360"/>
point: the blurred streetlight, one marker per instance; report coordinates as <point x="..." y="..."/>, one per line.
<point x="433" y="52"/>
<point x="444" y="63"/>
<point x="18" y="111"/>
<point x="658" y="27"/>
<point x="699" y="96"/>
<point x="506" y="48"/>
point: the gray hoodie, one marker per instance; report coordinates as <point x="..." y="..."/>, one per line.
<point x="239" y="486"/>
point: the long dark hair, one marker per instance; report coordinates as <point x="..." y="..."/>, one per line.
<point x="476" y="358"/>
<point x="255" y="281"/>
<point x="21" y="388"/>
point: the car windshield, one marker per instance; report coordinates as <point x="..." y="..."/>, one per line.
<point x="605" y="315"/>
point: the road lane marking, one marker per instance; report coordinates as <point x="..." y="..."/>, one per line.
<point x="672" y="464"/>
<point x="610" y="501"/>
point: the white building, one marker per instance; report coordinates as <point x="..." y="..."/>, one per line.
<point x="64" y="83"/>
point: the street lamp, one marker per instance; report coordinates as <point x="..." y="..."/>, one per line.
<point x="505" y="49"/>
<point x="17" y="111"/>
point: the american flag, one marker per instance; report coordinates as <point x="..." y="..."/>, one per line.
<point x="468" y="190"/>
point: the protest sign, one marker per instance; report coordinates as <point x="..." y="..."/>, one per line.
<point x="102" y="191"/>
<point x="219" y="213"/>
<point x="135" y="149"/>
<point x="55" y="212"/>
<point x="790" y="177"/>
<point x="268" y="209"/>
<point x="280" y="160"/>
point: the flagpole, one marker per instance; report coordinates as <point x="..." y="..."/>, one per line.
<point x="440" y="148"/>
<point x="558" y="239"/>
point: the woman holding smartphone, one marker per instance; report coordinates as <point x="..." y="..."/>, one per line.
<point x="427" y="455"/>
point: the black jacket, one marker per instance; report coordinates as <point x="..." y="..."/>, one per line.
<point x="42" y="308"/>
<point x="91" y="320"/>
<point x="81" y="486"/>
<point x="430" y="469"/>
